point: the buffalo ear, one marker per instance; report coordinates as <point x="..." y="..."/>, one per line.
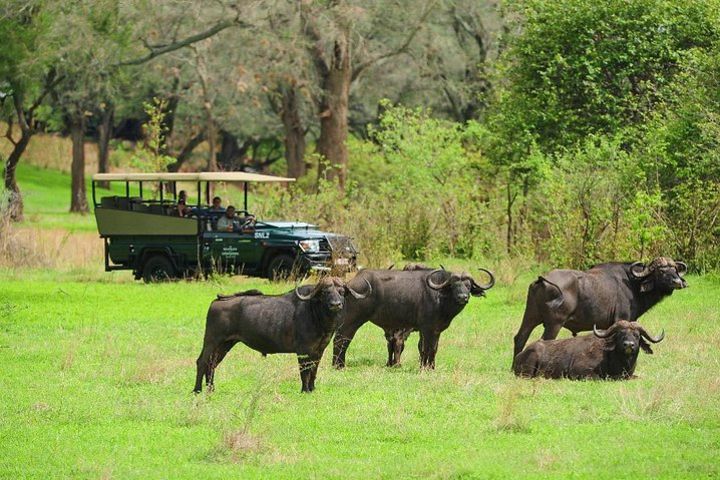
<point x="645" y="346"/>
<point x="476" y="290"/>
<point x="647" y="286"/>
<point x="609" y="345"/>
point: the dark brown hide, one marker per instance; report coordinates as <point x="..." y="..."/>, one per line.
<point x="600" y="296"/>
<point x="587" y="356"/>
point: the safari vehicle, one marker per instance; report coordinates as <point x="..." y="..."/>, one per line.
<point x="149" y="237"/>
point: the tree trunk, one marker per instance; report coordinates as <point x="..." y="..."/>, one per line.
<point x="105" y="132"/>
<point x="211" y="139"/>
<point x="78" y="200"/>
<point x="331" y="144"/>
<point x="15" y="202"/>
<point x="294" y="134"/>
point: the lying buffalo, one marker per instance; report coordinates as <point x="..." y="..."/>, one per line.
<point x="601" y="296"/>
<point x="300" y="322"/>
<point x="413" y="299"/>
<point x="611" y="354"/>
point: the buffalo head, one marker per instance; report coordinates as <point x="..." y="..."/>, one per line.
<point x="331" y="292"/>
<point x="459" y="285"/>
<point x="662" y="274"/>
<point x="627" y="338"/>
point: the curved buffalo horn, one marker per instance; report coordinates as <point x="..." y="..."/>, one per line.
<point x="642" y="273"/>
<point x="360" y="295"/>
<point x="681" y="267"/>
<point x="305" y="297"/>
<point x="650" y="338"/>
<point x="492" y="279"/>
<point x="437" y="286"/>
<point x="600" y="333"/>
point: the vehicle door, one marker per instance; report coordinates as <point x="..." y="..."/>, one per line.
<point x="236" y="250"/>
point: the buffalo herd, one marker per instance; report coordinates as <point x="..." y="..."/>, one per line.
<point x="606" y="299"/>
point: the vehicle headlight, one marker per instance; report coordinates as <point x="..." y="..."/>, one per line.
<point x="311" y="246"/>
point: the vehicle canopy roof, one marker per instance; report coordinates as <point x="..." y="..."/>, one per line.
<point x="189" y="177"/>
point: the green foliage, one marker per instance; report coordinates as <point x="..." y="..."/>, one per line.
<point x="580" y="67"/>
<point x="149" y="157"/>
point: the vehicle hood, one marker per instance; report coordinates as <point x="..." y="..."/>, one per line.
<point x="291" y="225"/>
<point x="297" y="230"/>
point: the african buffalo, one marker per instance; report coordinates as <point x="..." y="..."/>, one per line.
<point x="300" y="322"/>
<point x="611" y="354"/>
<point x="403" y="301"/>
<point x="600" y="296"/>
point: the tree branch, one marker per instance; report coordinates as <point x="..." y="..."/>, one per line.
<point x="402" y="48"/>
<point x="157" y="50"/>
<point x="8" y="133"/>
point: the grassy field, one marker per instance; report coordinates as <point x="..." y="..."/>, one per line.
<point x="99" y="378"/>
<point x="99" y="371"/>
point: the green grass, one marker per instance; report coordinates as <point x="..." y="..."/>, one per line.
<point x="98" y="379"/>
<point x="46" y="197"/>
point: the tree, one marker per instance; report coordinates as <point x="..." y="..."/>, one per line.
<point x="27" y="77"/>
<point x="578" y="67"/>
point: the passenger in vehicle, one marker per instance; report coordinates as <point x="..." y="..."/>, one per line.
<point x="183" y="209"/>
<point x="217" y="205"/>
<point x="228" y="222"/>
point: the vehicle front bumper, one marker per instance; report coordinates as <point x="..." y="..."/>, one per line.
<point x="325" y="262"/>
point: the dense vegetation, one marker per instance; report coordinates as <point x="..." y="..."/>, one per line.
<point x="566" y="132"/>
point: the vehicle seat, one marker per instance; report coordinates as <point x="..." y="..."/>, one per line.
<point x="109" y="202"/>
<point x="156" y="209"/>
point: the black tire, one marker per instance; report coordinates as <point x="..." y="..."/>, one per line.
<point x="281" y="267"/>
<point x="158" y="268"/>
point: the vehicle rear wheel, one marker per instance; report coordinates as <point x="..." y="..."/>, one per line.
<point x="158" y="268"/>
<point x="281" y="267"/>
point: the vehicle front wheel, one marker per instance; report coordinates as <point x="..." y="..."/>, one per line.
<point x="281" y="267"/>
<point x="158" y="268"/>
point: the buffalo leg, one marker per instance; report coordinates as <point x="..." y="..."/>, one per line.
<point x="203" y="365"/>
<point x="399" y="338"/>
<point x="215" y="360"/>
<point x="390" y="348"/>
<point x="552" y="329"/>
<point x="341" y="342"/>
<point x="395" y="346"/>
<point x="529" y="323"/>
<point x="308" y="365"/>
<point x="313" y="374"/>
<point x="428" y="348"/>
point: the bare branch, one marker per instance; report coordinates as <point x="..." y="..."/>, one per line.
<point x="402" y="48"/>
<point x="157" y="50"/>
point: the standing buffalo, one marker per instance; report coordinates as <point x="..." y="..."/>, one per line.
<point x="300" y="323"/>
<point x="611" y="354"/>
<point x="416" y="298"/>
<point x="601" y="296"/>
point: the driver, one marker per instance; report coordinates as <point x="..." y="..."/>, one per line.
<point x="230" y="223"/>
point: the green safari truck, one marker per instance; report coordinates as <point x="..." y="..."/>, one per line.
<point x="151" y="238"/>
